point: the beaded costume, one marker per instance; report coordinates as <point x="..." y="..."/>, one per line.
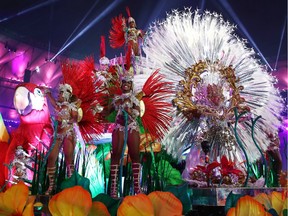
<point x="129" y="102"/>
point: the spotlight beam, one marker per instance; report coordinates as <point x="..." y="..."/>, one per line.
<point x="45" y="3"/>
<point x="280" y="45"/>
<point x="202" y="5"/>
<point x="229" y="9"/>
<point x="93" y="6"/>
<point x="91" y="24"/>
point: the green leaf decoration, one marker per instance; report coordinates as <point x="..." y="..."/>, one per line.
<point x="168" y="174"/>
<point x="141" y="128"/>
<point x="285" y="212"/>
<point x="102" y="150"/>
<point x="273" y="212"/>
<point x="111" y="203"/>
<point x="181" y="192"/>
<point x="74" y="180"/>
<point x="111" y="117"/>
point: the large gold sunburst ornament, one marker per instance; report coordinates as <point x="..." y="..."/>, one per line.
<point x="209" y="89"/>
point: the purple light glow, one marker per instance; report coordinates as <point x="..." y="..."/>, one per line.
<point x="19" y="65"/>
<point x="13" y="114"/>
<point x="49" y="73"/>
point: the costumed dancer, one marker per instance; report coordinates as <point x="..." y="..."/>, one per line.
<point x="104" y="63"/>
<point x="220" y="87"/>
<point x="107" y="73"/>
<point x="77" y="95"/>
<point x="148" y="106"/>
<point x="66" y="109"/>
<point x="125" y="104"/>
<point x="122" y="34"/>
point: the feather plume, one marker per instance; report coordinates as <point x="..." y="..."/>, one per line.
<point x="185" y="39"/>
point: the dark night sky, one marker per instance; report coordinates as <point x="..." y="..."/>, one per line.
<point x="50" y="23"/>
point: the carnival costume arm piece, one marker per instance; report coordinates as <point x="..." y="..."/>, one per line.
<point x="74" y="111"/>
<point x="156" y="119"/>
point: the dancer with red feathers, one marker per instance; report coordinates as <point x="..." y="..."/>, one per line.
<point x="122" y="34"/>
<point x="81" y="101"/>
<point x="147" y="108"/>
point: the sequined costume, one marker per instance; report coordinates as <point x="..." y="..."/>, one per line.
<point x="129" y="102"/>
<point x="65" y="126"/>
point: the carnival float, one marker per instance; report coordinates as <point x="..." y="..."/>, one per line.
<point x="206" y="112"/>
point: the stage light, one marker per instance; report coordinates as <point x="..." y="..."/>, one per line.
<point x="10" y="48"/>
<point x="37" y="69"/>
<point x="51" y="60"/>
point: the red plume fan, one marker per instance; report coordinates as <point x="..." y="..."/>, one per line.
<point x="156" y="119"/>
<point x="80" y="75"/>
<point x="116" y="33"/>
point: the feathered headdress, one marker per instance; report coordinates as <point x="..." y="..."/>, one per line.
<point x="66" y="90"/>
<point x="103" y="59"/>
<point x="130" y="19"/>
<point x="65" y="87"/>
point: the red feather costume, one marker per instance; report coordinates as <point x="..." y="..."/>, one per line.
<point x="155" y="109"/>
<point x="80" y="75"/>
<point x="156" y="119"/>
<point x="121" y="34"/>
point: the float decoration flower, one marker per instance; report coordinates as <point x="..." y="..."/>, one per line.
<point x="279" y="201"/>
<point x="165" y="203"/>
<point x="247" y="206"/>
<point x="139" y="204"/>
<point x="71" y="201"/>
<point x="228" y="168"/>
<point x="203" y="173"/>
<point x="275" y="203"/>
<point x="16" y="201"/>
<point x="263" y="204"/>
<point x="99" y="209"/>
